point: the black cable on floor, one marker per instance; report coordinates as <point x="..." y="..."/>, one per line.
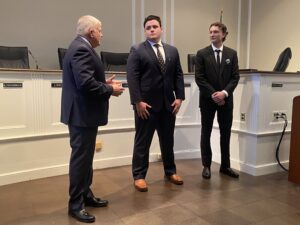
<point x="283" y="116"/>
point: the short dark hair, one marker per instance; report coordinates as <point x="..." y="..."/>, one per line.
<point x="152" y="17"/>
<point x="222" y="27"/>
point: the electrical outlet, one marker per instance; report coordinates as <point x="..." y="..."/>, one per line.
<point x="243" y="116"/>
<point x="98" y="146"/>
<point x="278" y="114"/>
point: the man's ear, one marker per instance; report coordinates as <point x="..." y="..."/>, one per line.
<point x="90" y="33"/>
<point x="226" y="34"/>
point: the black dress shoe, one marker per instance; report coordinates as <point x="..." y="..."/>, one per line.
<point x="82" y="216"/>
<point x="206" y="173"/>
<point x="95" y="202"/>
<point x="229" y="172"/>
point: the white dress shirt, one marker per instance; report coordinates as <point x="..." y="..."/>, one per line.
<point x="220" y="55"/>
<point x="161" y="49"/>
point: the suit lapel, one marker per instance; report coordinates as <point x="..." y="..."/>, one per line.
<point x="94" y="54"/>
<point x="167" y="55"/>
<point x="89" y="46"/>
<point x="152" y="54"/>
<point x="224" y="57"/>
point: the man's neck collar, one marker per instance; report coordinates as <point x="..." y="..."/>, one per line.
<point x="86" y="40"/>
<point x="153" y="43"/>
<point x="220" y="48"/>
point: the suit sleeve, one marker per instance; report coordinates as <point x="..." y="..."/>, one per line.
<point x="200" y="76"/>
<point x="133" y="76"/>
<point x="83" y="68"/>
<point x="179" y="80"/>
<point x="235" y="76"/>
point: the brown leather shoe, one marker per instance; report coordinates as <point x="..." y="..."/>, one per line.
<point x="140" y="185"/>
<point x="175" y="179"/>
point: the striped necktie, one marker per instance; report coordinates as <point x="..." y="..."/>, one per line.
<point x="161" y="62"/>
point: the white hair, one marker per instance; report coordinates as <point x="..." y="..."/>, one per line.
<point x="85" y="23"/>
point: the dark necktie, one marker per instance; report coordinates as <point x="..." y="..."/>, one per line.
<point x="218" y="57"/>
<point x="218" y="60"/>
<point x="160" y="60"/>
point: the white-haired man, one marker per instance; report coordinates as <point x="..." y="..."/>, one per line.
<point x="84" y="107"/>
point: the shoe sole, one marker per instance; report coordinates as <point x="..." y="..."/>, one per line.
<point x="96" y="206"/>
<point x="229" y="175"/>
<point x="141" y="189"/>
<point x="173" y="182"/>
<point x="81" y="220"/>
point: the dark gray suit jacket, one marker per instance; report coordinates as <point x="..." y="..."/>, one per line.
<point x="147" y="83"/>
<point x="85" y="93"/>
<point x="206" y="72"/>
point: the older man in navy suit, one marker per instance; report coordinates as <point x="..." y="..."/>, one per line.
<point x="156" y="87"/>
<point x="84" y="107"/>
<point x="217" y="75"/>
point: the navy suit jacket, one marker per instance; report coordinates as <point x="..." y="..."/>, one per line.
<point x="147" y="83"/>
<point x="85" y="93"/>
<point x="206" y="74"/>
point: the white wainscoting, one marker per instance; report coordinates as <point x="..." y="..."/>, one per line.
<point x="34" y="144"/>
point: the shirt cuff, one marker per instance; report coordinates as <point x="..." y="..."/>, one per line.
<point x="225" y="92"/>
<point x="110" y="89"/>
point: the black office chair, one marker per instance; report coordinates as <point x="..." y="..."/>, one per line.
<point x="283" y="60"/>
<point x="14" y="57"/>
<point x="191" y="58"/>
<point x="61" y="54"/>
<point x="114" y="61"/>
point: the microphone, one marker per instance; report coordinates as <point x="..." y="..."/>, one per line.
<point x="34" y="59"/>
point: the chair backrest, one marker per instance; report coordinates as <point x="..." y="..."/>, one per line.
<point x="114" y="61"/>
<point x="61" y="54"/>
<point x="191" y="58"/>
<point x="14" y="57"/>
<point x="283" y="60"/>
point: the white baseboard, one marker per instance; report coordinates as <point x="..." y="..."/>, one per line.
<point x="263" y="169"/>
<point x="121" y="161"/>
<point x="43" y="172"/>
<point x="254" y="170"/>
<point x="187" y="154"/>
<point x="32" y="174"/>
<point x="37" y="173"/>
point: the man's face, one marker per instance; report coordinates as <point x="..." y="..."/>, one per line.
<point x="153" y="30"/>
<point x="96" y="35"/>
<point x="216" y="35"/>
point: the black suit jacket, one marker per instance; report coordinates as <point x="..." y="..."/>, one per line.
<point x="85" y="93"/>
<point x="206" y="74"/>
<point x="146" y="81"/>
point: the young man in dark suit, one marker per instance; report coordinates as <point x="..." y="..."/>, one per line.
<point x="84" y="107"/>
<point x="156" y="87"/>
<point x="217" y="75"/>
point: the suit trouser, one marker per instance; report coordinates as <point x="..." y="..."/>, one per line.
<point x="82" y="141"/>
<point x="164" y="123"/>
<point x="224" y="116"/>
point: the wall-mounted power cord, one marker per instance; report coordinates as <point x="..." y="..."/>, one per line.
<point x="284" y="117"/>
